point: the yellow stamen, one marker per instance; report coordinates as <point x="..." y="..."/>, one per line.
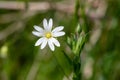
<point x="48" y="35"/>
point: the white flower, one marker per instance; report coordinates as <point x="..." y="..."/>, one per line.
<point x="47" y="35"/>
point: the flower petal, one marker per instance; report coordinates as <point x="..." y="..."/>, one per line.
<point x="57" y="34"/>
<point x="52" y="47"/>
<point x="50" y="24"/>
<point x="45" y="24"/>
<point x="38" y="28"/>
<point x="37" y="33"/>
<point x="55" y="41"/>
<point x="44" y="43"/>
<point x="57" y="29"/>
<point x="39" y="41"/>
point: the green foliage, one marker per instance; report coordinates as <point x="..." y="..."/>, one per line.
<point x="90" y="50"/>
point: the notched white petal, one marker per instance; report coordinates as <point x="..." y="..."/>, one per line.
<point x="52" y="47"/>
<point x="38" y="28"/>
<point x="50" y="23"/>
<point x="39" y="41"/>
<point x="56" y="42"/>
<point x="44" y="43"/>
<point x="45" y="24"/>
<point x="37" y="33"/>
<point x="57" y="34"/>
<point x="57" y="29"/>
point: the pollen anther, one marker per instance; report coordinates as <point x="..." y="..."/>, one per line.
<point x="48" y="35"/>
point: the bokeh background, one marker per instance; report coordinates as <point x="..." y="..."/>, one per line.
<point x="21" y="60"/>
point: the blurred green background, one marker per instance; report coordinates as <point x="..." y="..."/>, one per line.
<point x="21" y="60"/>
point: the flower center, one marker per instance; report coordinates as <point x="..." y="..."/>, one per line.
<point x="48" y="35"/>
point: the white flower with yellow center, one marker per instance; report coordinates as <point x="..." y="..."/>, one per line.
<point x="47" y="35"/>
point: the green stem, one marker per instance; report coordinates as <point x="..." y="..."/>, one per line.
<point x="76" y="14"/>
<point x="60" y="67"/>
<point x="77" y="66"/>
<point x="76" y="60"/>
